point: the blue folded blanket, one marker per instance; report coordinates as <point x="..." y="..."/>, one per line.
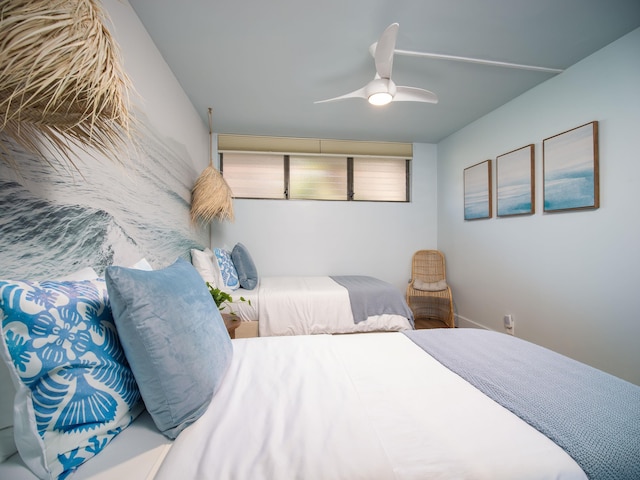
<point x="371" y="296"/>
<point x="593" y="416"/>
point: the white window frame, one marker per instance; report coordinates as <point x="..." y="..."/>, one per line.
<point x="289" y="191"/>
<point x="287" y="148"/>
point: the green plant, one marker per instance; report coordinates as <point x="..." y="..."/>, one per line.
<point x="223" y="299"/>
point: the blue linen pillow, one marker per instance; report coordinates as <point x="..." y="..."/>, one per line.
<point x="247" y="272"/>
<point x="227" y="269"/>
<point x="75" y="391"/>
<point x="174" y="338"/>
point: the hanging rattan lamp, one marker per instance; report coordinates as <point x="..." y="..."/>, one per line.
<point x="61" y="82"/>
<point x="211" y="197"/>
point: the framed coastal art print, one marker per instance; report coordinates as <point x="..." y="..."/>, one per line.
<point x="515" y="182"/>
<point x="477" y="191"/>
<point x="570" y="165"/>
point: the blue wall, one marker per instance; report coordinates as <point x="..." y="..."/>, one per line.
<point x="309" y="237"/>
<point x="570" y="280"/>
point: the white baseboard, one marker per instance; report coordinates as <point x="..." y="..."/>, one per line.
<point x="463" y="322"/>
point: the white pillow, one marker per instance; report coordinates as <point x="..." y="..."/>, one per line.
<point x="8" y="392"/>
<point x="142" y="264"/>
<point x="86" y="273"/>
<point x="206" y="265"/>
<point x="429" y="287"/>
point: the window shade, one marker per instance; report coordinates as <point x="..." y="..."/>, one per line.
<point x="312" y="146"/>
<point x="318" y="178"/>
<point x="379" y="179"/>
<point x="249" y="178"/>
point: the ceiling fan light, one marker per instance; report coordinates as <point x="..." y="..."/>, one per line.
<point x="380" y="98"/>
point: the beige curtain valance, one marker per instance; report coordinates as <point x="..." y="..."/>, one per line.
<point x="312" y="146"/>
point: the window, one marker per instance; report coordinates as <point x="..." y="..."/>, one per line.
<point x="254" y="176"/>
<point x="318" y="178"/>
<point x="381" y="179"/>
<point x="314" y="170"/>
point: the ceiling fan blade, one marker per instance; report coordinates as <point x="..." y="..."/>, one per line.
<point x="412" y="94"/>
<point x="381" y="90"/>
<point x="384" y="51"/>
<point x="360" y="93"/>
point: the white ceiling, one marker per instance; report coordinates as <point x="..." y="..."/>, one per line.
<point x="261" y="64"/>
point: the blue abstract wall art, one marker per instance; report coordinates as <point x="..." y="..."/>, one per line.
<point x="516" y="182"/>
<point x="571" y="178"/>
<point x="477" y="191"/>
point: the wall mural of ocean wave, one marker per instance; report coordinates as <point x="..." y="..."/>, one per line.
<point x="54" y="220"/>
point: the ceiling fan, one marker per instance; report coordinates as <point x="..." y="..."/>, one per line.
<point x="382" y="90"/>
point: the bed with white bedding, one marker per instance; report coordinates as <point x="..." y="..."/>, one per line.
<point x="370" y="406"/>
<point x="304" y="305"/>
<point x="445" y="403"/>
<point x="301" y="305"/>
<point x="320" y="304"/>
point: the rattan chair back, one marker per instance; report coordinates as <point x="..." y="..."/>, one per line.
<point x="428" y="294"/>
<point x="428" y="266"/>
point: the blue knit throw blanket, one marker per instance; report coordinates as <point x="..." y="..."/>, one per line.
<point x="593" y="416"/>
<point x="371" y="296"/>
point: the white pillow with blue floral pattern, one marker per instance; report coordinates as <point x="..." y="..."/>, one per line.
<point x="75" y="390"/>
<point x="227" y="269"/>
<point x="8" y="393"/>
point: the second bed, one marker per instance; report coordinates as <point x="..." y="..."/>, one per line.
<point x="305" y="305"/>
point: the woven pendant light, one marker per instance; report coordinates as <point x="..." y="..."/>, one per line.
<point x="211" y="197"/>
<point x="61" y="82"/>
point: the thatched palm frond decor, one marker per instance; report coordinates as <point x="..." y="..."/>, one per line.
<point x="61" y="82"/>
<point x="211" y="196"/>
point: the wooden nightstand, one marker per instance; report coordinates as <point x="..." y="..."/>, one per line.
<point x="231" y="322"/>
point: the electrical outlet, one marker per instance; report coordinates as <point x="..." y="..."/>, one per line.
<point x="509" y="324"/>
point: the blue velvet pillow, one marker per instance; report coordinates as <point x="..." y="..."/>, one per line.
<point x="75" y="391"/>
<point x="174" y="338"/>
<point x="247" y="272"/>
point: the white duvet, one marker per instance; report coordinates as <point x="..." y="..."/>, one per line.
<point x="372" y="406"/>
<point x="313" y="305"/>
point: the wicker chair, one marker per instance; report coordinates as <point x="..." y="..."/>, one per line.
<point x="428" y="294"/>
